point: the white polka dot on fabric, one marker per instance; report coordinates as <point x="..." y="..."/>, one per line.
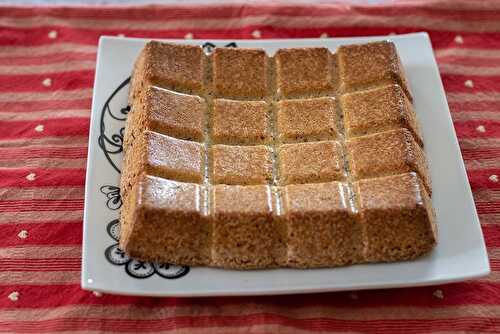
<point x="481" y="128"/>
<point x="469" y="83"/>
<point x="52" y="34"/>
<point x="493" y="178"/>
<point x="39" y="128"/>
<point x="438" y="294"/>
<point x="256" y="34"/>
<point x="23" y="234"/>
<point x="323" y="35"/>
<point x="31" y="177"/>
<point x="459" y="39"/>
<point x="97" y="293"/>
<point x="47" y="82"/>
<point x="14" y="296"/>
<point x="188" y="36"/>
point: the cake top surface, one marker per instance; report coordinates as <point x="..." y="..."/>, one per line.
<point x="305" y="158"/>
<point x="294" y="131"/>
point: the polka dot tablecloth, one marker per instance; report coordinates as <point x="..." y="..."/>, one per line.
<point x="47" y="62"/>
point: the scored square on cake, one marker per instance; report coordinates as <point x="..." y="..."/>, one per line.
<point x="368" y="65"/>
<point x="306" y="71"/>
<point x="229" y="115"/>
<point x="307" y="120"/>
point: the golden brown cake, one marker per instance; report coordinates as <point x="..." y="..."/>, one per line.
<point x="241" y="164"/>
<point x="368" y="65"/>
<point x="161" y="215"/>
<point x="306" y="159"/>
<point x="240" y="73"/>
<point x="307" y="119"/>
<point x="321" y="227"/>
<point x="244" y="235"/>
<point x="174" y="114"/>
<point x="176" y="67"/>
<point x="164" y="156"/>
<point x="304" y="72"/>
<point x="387" y="153"/>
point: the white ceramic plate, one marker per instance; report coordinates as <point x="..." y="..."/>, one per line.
<point x="460" y="253"/>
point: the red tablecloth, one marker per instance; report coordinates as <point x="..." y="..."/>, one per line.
<point x="47" y="61"/>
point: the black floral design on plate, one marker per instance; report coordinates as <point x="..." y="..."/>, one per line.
<point x="113" y="229"/>
<point x="114" y="200"/>
<point x="112" y="143"/>
<point x="209" y="47"/>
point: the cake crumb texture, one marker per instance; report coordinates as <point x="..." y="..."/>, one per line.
<point x="368" y="65"/>
<point x="377" y="110"/>
<point x="396" y="217"/>
<point x="302" y="120"/>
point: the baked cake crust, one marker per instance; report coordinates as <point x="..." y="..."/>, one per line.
<point x="368" y="65"/>
<point x="160" y="216"/>
<point x="241" y="164"/>
<point x="244" y="235"/>
<point x="321" y="227"/>
<point x="172" y="66"/>
<point x="387" y="153"/>
<point x="164" y="156"/>
<point x="377" y="110"/>
<point x="240" y="73"/>
<point x="306" y="159"/>
<point x="324" y="162"/>
<point x="229" y="115"/>
<point x="307" y="120"/>
<point x="396" y="217"/>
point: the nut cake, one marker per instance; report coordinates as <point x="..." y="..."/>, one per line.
<point x="306" y="159"/>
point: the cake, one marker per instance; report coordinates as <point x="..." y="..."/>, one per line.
<point x="321" y="226"/>
<point x="324" y="159"/>
<point x="244" y="228"/>
<point x="240" y="164"/>
<point x="299" y="120"/>
<point x="305" y="159"/>
<point x="228" y="115"/>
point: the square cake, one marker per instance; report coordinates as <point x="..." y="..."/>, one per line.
<point x="304" y="72"/>
<point x="306" y="159"/>
<point x="228" y="115"/>
<point x="307" y="120"/>
<point x="324" y="162"/>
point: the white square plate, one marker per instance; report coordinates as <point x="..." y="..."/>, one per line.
<point x="460" y="253"/>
